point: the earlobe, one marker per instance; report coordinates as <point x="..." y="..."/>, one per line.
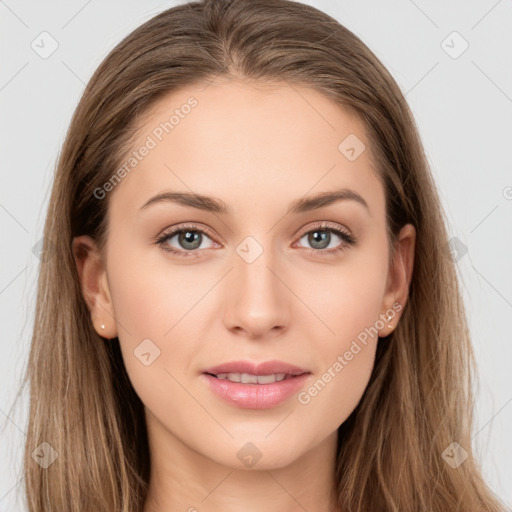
<point x="94" y="284"/>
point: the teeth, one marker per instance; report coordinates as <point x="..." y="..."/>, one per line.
<point x="247" y="378"/>
<point x="268" y="379"/>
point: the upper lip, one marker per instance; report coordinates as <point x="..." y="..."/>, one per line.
<point x="263" y="368"/>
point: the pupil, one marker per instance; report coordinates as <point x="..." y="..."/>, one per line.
<point x="318" y="237"/>
<point x="189" y="237"/>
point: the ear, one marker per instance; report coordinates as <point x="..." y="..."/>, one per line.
<point x="94" y="284"/>
<point x="399" y="277"/>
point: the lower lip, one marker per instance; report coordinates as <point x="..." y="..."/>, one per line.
<point x="256" y="396"/>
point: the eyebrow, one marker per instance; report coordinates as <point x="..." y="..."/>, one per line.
<point x="215" y="205"/>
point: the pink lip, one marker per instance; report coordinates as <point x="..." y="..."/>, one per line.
<point x="256" y="396"/>
<point x="265" y="368"/>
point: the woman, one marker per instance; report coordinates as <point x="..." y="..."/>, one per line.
<point x="250" y="303"/>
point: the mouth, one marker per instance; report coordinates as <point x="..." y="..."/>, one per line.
<point x="255" y="386"/>
<point x="247" y="378"/>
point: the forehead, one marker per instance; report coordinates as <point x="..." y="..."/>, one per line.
<point x="238" y="139"/>
<point x="247" y="108"/>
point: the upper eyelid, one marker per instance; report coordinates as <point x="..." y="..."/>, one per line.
<point x="192" y="227"/>
<point x="324" y="225"/>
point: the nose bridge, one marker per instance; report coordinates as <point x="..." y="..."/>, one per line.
<point x="257" y="302"/>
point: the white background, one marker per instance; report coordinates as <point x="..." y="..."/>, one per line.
<point x="463" y="108"/>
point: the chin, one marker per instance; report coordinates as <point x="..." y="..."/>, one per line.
<point x="259" y="452"/>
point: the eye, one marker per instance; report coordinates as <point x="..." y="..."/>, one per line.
<point x="323" y="238"/>
<point x="189" y="240"/>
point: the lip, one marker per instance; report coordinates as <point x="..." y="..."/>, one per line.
<point x="256" y="396"/>
<point x="264" y="368"/>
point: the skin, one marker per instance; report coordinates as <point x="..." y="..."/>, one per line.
<point x="258" y="148"/>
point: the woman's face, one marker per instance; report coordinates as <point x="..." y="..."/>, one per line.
<point x="264" y="270"/>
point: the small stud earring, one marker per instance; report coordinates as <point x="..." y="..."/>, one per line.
<point x="388" y="319"/>
<point x="103" y="326"/>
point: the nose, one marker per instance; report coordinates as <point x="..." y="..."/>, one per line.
<point x="257" y="300"/>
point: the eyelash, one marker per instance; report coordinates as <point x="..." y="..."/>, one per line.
<point x="348" y="239"/>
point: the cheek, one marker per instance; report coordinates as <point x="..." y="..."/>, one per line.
<point x="151" y="295"/>
<point x="347" y="302"/>
<point x="345" y="358"/>
<point x="154" y="306"/>
<point x="344" y="298"/>
<point x="333" y="395"/>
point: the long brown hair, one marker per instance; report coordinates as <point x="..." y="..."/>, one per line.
<point x="418" y="401"/>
